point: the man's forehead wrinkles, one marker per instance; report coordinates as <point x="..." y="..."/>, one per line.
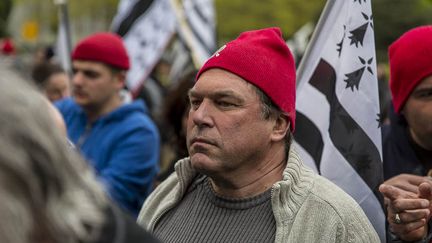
<point x="213" y="93"/>
<point x="423" y="87"/>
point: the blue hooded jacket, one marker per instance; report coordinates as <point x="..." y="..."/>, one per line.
<point x="123" y="147"/>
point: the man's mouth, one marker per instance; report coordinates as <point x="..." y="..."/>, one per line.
<point x="201" y="140"/>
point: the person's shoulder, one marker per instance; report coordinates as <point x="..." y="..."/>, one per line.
<point x="339" y="210"/>
<point x="135" y="117"/>
<point x="120" y="226"/>
<point x="68" y="101"/>
<point x="167" y="193"/>
<point x="136" y="106"/>
<point x="70" y="110"/>
<point x="134" y="111"/>
<point x="327" y="193"/>
<point x="136" y="233"/>
<point x="66" y="105"/>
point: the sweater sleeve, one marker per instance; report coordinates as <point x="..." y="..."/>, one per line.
<point x="359" y="229"/>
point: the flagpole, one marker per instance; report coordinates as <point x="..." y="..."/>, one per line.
<point x="64" y="19"/>
<point x="317" y="32"/>
<point x="180" y="16"/>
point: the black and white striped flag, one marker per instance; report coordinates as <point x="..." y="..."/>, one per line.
<point x="196" y="27"/>
<point x="337" y="130"/>
<point x="146" y="27"/>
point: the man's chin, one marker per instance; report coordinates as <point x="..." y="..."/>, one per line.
<point x="201" y="163"/>
<point x="80" y="101"/>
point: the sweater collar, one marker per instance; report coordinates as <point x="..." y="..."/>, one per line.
<point x="288" y="194"/>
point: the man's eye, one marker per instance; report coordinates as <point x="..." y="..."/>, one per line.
<point x="224" y="104"/>
<point x="91" y="74"/>
<point x="194" y="103"/>
<point x="88" y="73"/>
<point x="425" y="94"/>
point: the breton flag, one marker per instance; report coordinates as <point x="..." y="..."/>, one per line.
<point x="338" y="132"/>
<point x="146" y="27"/>
<point x="196" y="27"/>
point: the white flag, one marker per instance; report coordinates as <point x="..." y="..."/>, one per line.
<point x="146" y="27"/>
<point x="196" y="27"/>
<point x="337" y="130"/>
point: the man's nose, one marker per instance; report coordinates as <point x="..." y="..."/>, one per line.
<point x="77" y="78"/>
<point x="202" y="115"/>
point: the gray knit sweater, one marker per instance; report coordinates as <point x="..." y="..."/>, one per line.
<point x="306" y="206"/>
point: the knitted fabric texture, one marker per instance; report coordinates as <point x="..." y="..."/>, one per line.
<point x="262" y="58"/>
<point x="410" y="62"/>
<point x="103" y="47"/>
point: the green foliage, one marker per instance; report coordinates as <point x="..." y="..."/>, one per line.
<point x="102" y="9"/>
<point x="391" y="17"/>
<point x="394" y="17"/>
<point x="5" y="7"/>
<point x="85" y="16"/>
<point x="235" y="16"/>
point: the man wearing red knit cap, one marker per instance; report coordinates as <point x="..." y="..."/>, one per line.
<point x="407" y="141"/>
<point x="118" y="139"/>
<point x="243" y="182"/>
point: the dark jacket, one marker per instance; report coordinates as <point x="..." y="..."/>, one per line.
<point x="398" y="151"/>
<point x="121" y="228"/>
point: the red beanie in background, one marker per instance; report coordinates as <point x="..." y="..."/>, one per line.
<point x="262" y="58"/>
<point x="103" y="47"/>
<point x="410" y="62"/>
<point x="8" y="47"/>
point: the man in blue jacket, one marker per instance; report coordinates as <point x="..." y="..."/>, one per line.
<point x="120" y="140"/>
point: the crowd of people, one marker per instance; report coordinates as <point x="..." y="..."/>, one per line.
<point x="81" y="161"/>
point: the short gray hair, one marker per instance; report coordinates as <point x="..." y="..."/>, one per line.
<point x="270" y="110"/>
<point x="49" y="194"/>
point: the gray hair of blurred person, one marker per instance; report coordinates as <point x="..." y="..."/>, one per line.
<point x="49" y="194"/>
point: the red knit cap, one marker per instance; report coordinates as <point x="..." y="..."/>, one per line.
<point x="8" y="47"/>
<point x="103" y="47"/>
<point x="262" y="58"/>
<point x="410" y="62"/>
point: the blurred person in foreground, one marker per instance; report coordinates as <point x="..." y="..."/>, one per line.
<point x="52" y="80"/>
<point x="407" y="141"/>
<point x="119" y="139"/>
<point x="243" y="182"/>
<point x="49" y="194"/>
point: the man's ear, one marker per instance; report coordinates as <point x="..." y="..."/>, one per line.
<point x="280" y="128"/>
<point x="121" y="79"/>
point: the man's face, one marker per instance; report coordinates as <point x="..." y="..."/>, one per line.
<point x="226" y="132"/>
<point x="57" y="87"/>
<point x="418" y="113"/>
<point x="94" y="84"/>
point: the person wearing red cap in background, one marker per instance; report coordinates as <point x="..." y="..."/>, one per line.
<point x="120" y="140"/>
<point x="8" y="47"/>
<point x="407" y="141"/>
<point x="243" y="182"/>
